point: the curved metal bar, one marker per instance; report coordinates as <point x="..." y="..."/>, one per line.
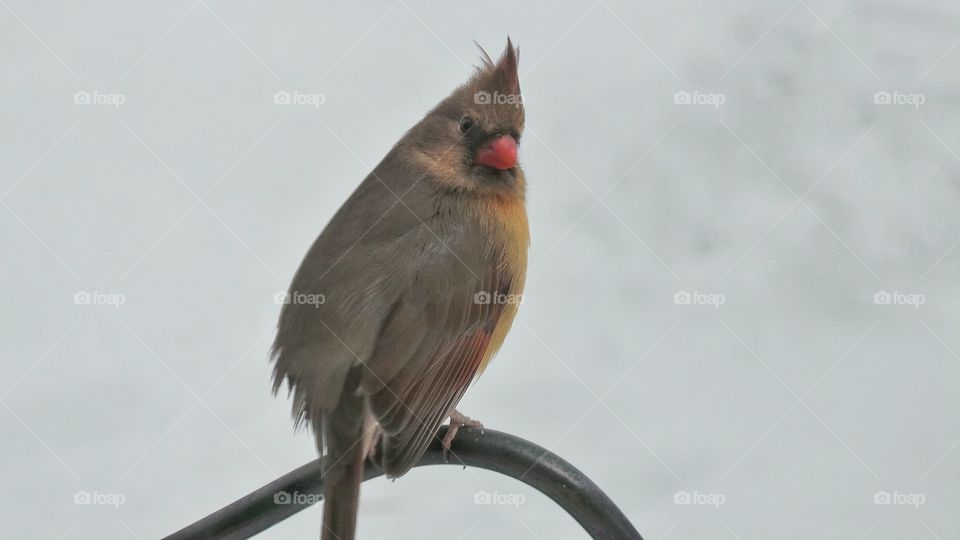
<point x="484" y="448"/>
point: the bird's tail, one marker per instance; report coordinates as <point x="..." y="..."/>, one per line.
<point x="343" y="436"/>
<point x="341" y="498"/>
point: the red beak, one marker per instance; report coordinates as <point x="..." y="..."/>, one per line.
<point x="499" y="153"/>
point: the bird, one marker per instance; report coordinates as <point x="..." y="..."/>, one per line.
<point x="409" y="290"/>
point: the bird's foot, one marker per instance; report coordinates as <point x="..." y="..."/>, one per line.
<point x="457" y="421"/>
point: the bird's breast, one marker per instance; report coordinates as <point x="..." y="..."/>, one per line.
<point x="505" y="221"/>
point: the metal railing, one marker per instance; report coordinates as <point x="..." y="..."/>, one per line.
<point x="484" y="448"/>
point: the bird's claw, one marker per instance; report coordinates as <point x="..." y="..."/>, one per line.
<point x="457" y="421"/>
<point x="371" y="443"/>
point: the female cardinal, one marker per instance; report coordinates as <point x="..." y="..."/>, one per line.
<point x="409" y="290"/>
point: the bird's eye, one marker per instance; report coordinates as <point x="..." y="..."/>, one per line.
<point x="465" y="124"/>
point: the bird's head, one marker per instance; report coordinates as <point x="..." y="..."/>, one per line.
<point x="472" y="137"/>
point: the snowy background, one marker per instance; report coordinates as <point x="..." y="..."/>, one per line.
<point x="813" y="222"/>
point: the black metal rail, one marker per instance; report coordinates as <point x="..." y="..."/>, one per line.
<point x="487" y="449"/>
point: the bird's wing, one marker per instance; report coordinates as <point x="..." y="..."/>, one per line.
<point x="436" y="338"/>
<point x="342" y="294"/>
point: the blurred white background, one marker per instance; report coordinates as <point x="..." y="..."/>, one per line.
<point x="812" y="376"/>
